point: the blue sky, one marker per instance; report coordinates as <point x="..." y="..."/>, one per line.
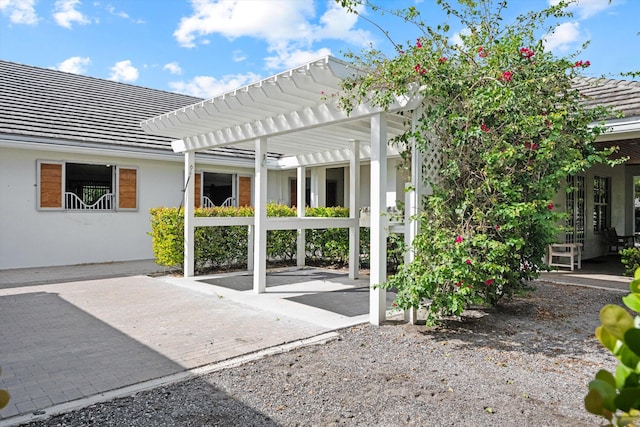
<point x="207" y="47"/>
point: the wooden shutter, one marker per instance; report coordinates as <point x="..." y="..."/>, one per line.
<point x="244" y="193"/>
<point x="127" y="188"/>
<point x="50" y="195"/>
<point x="197" y="190"/>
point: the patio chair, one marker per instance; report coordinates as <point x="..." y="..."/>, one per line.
<point x="615" y="242"/>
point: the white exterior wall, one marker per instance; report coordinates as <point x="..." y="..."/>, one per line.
<point x="32" y="238"/>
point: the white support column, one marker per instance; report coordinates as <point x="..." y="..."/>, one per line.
<point x="378" y="245"/>
<point x="260" y="218"/>
<point x="354" y="210"/>
<point x="300" y="205"/>
<point x="189" y="213"/>
<point x="250" y="247"/>
<point x="411" y="207"/>
<point x="318" y="187"/>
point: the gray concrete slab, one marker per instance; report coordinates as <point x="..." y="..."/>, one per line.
<point x="60" y="342"/>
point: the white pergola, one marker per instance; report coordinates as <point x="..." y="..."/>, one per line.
<point x="294" y="117"/>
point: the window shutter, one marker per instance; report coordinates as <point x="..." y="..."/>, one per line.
<point x="50" y="185"/>
<point x="244" y="193"/>
<point x="197" y="190"/>
<point x="127" y="188"/>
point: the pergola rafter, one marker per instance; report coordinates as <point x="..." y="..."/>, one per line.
<point x="291" y="121"/>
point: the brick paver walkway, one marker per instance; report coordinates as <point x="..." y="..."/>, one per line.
<point x="61" y="342"/>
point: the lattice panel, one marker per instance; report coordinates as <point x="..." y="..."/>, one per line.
<point x="431" y="162"/>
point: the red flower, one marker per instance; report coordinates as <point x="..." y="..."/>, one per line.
<point x="497" y="228"/>
<point x="526" y="52"/>
<point x="507" y="76"/>
<point x="484" y="127"/>
<point x="417" y="68"/>
<point x="468" y="261"/>
<point x="459" y="239"/>
<point x="442" y="60"/>
<point x="582" y="64"/>
<point x="489" y="282"/>
<point x="458" y="284"/>
<point x="531" y="146"/>
<point x="482" y="53"/>
<point x="550" y="206"/>
<point x="418" y="44"/>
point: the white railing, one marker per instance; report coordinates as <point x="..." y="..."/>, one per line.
<point x="207" y="203"/>
<point x="104" y="203"/>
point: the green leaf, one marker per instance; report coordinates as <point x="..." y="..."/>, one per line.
<point x="607" y="339"/>
<point x="606" y="376"/>
<point x="632" y="340"/>
<point x="635" y="284"/>
<point x="616" y="320"/>
<point x="632" y="301"/>
<point x="628" y="399"/>
<point x="628" y="357"/>
<point x="607" y="393"/>
<point x="636" y="274"/>
<point x="4" y="398"/>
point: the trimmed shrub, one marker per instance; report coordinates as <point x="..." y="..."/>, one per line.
<point x="226" y="247"/>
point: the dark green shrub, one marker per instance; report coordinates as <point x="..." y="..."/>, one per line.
<point x="226" y="247"/>
<point x="630" y="260"/>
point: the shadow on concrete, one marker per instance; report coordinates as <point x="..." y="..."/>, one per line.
<point x="52" y="352"/>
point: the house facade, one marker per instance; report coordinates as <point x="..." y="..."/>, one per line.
<point x="78" y="174"/>
<point x="606" y="198"/>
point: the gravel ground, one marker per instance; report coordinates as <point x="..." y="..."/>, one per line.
<point x="526" y="363"/>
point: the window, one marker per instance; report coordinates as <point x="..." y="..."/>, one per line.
<point x="83" y="187"/>
<point x="221" y="189"/>
<point x="575" y="210"/>
<point x="601" y="207"/>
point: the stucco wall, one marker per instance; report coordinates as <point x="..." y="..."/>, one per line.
<point x="32" y="238"/>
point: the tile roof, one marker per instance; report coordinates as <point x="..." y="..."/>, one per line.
<point x="623" y="95"/>
<point x="44" y="103"/>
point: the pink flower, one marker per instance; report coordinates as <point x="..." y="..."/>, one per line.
<point x="459" y="239"/>
<point x="484" y="127"/>
<point x="489" y="282"/>
<point x="482" y="53"/>
<point x="526" y="52"/>
<point x="550" y="206"/>
<point x="418" y="44"/>
<point x="442" y="60"/>
<point x="468" y="261"/>
<point x="507" y="76"/>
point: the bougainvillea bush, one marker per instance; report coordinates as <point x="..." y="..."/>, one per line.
<point x="501" y="112"/>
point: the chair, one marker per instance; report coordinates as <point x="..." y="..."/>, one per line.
<point x="615" y="243"/>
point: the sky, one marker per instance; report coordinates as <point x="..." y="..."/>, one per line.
<point x="208" y="47"/>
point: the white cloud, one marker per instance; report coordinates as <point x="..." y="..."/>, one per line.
<point x="585" y="8"/>
<point x="287" y="26"/>
<point x="124" y="15"/>
<point x="238" y="56"/>
<point x="286" y="58"/>
<point x="123" y="71"/>
<point x="456" y="39"/>
<point x="563" y="37"/>
<point x="75" y="65"/>
<point x="173" y="68"/>
<point x="65" y="13"/>
<point x="20" y="11"/>
<point x="208" y="87"/>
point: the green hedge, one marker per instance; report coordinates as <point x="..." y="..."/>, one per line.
<point x="226" y="247"/>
